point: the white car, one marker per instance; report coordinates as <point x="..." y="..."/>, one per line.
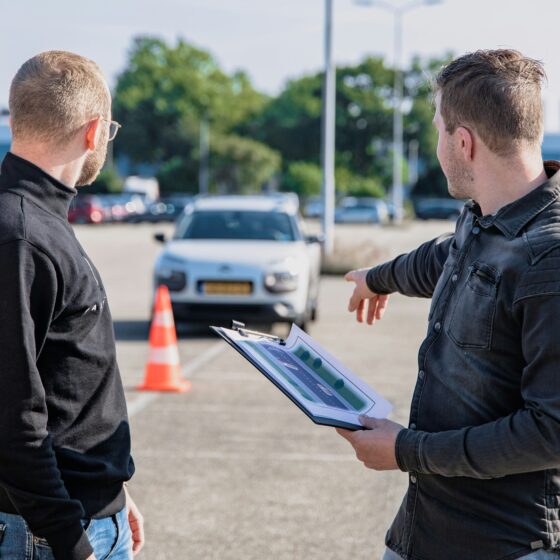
<point x="353" y="210"/>
<point x="241" y="257"/>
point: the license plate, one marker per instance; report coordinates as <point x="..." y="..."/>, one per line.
<point x="227" y="288"/>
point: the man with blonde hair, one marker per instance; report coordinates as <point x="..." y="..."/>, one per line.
<point x="482" y="447"/>
<point x="65" y="438"/>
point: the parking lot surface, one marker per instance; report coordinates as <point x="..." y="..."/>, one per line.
<point x="231" y="469"/>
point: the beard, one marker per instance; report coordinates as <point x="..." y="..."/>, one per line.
<point x="459" y="177"/>
<point x="93" y="164"/>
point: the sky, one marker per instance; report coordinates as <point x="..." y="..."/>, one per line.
<point x="274" y="41"/>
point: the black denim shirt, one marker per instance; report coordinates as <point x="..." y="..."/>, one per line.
<point x="483" y="445"/>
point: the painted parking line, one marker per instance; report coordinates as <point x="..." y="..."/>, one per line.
<point x="141" y="402"/>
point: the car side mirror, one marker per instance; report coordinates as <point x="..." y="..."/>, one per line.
<point x="310" y="239"/>
<point x="159" y="237"/>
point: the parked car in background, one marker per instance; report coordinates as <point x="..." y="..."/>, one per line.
<point x="134" y="203"/>
<point x="359" y="210"/>
<point x="241" y="257"/>
<point x="313" y="207"/>
<point x="86" y="209"/>
<point x="166" y="209"/>
<point x="438" y="208"/>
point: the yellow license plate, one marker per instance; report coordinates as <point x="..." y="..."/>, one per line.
<point x="228" y="288"/>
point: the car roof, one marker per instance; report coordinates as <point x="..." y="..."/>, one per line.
<point x="267" y="203"/>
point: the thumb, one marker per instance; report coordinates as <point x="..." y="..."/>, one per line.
<point x="369" y="422"/>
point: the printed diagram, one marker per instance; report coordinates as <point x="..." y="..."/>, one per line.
<point x="314" y="378"/>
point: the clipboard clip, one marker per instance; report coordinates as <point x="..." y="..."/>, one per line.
<point x="240" y="328"/>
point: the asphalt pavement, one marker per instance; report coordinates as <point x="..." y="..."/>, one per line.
<point x="232" y="470"/>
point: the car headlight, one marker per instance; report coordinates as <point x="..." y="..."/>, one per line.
<point x="169" y="274"/>
<point x="281" y="281"/>
<point x="175" y="280"/>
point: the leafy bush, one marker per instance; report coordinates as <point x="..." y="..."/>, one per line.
<point x="108" y="182"/>
<point x="303" y="178"/>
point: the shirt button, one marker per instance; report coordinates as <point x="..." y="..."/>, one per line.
<point x="421" y="374"/>
<point x="476" y="230"/>
<point x="454" y="278"/>
<point x="413" y="426"/>
<point x="413" y="478"/>
<point x="437" y="327"/>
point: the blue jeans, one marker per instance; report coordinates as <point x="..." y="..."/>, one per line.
<point x="537" y="555"/>
<point x="110" y="538"/>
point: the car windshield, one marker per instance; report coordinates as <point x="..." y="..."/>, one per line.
<point x="236" y="224"/>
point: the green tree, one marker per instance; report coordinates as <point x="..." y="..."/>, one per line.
<point x="303" y="178"/>
<point x="178" y="174"/>
<point x="291" y="122"/>
<point x="350" y="184"/>
<point x="107" y="182"/>
<point x="162" y="96"/>
<point x="242" y="165"/>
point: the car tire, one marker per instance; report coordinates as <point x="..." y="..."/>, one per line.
<point x="313" y="315"/>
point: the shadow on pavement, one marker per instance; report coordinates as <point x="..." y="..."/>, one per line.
<point x="139" y="331"/>
<point x="131" y="330"/>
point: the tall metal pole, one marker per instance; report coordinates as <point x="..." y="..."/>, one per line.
<point x="397" y="197"/>
<point x="413" y="148"/>
<point x="204" y="142"/>
<point x="327" y="135"/>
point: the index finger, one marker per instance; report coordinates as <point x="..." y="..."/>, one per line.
<point x="354" y="302"/>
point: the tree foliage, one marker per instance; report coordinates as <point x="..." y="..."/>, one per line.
<point x="303" y="178"/>
<point x="107" y="182"/>
<point x="166" y="90"/>
<point x="162" y="96"/>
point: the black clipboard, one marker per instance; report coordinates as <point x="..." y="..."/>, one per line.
<point x="240" y="328"/>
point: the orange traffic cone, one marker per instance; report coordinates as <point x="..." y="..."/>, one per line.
<point x="163" y="370"/>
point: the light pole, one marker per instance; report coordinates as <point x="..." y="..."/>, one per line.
<point x="398" y="12"/>
<point x="203" y="175"/>
<point x="327" y="135"/>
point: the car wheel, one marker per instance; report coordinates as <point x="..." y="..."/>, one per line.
<point x="313" y="316"/>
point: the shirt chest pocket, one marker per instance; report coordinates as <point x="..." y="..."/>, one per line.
<point x="471" y="320"/>
<point x="443" y="279"/>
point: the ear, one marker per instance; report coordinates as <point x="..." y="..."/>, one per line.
<point x="91" y="133"/>
<point x="466" y="142"/>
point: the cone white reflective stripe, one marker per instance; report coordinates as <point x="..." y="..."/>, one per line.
<point x="163" y="319"/>
<point x="168" y="356"/>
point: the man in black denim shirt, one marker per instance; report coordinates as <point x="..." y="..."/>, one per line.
<point x="482" y="448"/>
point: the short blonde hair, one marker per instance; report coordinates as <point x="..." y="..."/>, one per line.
<point x="54" y="94"/>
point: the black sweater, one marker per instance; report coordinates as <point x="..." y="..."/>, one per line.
<point x="64" y="432"/>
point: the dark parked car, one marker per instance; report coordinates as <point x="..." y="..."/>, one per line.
<point x="167" y="209"/>
<point x="86" y="209"/>
<point x="438" y="208"/>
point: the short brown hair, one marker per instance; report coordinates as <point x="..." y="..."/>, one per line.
<point x="54" y="94"/>
<point x="497" y="93"/>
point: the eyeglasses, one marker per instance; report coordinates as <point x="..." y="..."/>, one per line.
<point x="114" y="127"/>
